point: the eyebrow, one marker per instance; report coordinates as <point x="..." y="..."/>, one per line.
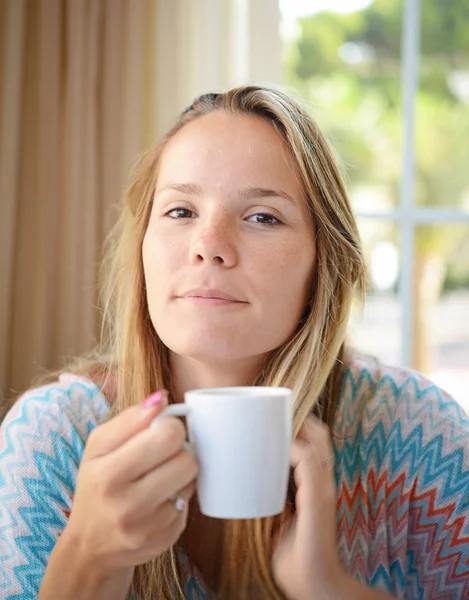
<point x="192" y="189"/>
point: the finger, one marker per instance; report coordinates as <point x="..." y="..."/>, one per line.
<point x="184" y="494"/>
<point x="315" y="433"/>
<point x="146" y="451"/>
<point x="304" y="451"/>
<point x="315" y="497"/>
<point x="164" y="538"/>
<point x="130" y="422"/>
<point x="165" y="481"/>
<point x="156" y="532"/>
<point x="315" y="484"/>
<point x="144" y="508"/>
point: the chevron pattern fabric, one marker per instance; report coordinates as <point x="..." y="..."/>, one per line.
<point x="402" y="470"/>
<point x="402" y="452"/>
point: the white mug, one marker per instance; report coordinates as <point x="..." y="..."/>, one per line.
<point x="241" y="438"/>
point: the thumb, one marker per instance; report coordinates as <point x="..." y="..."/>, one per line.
<point x="130" y="422"/>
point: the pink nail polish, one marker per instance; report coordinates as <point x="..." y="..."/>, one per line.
<point x="153" y="400"/>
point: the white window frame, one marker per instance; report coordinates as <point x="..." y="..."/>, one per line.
<point x="407" y="215"/>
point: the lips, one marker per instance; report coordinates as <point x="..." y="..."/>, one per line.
<point x="210" y="294"/>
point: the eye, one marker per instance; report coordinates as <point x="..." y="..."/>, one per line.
<point x="180" y="213"/>
<point x="265" y="219"/>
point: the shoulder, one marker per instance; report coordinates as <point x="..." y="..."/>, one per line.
<point x="48" y="427"/>
<point x="72" y="402"/>
<point x="49" y="423"/>
<point x="404" y="459"/>
<point x="42" y="440"/>
<point x="399" y="425"/>
<point x="373" y="392"/>
<point x="391" y="415"/>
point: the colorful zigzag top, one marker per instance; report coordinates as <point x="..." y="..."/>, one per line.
<point x="402" y="469"/>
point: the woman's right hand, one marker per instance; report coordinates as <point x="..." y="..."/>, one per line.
<point x="122" y="514"/>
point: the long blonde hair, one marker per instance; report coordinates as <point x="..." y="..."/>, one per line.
<point x="309" y="362"/>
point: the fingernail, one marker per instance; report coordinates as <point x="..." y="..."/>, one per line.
<point x="153" y="400"/>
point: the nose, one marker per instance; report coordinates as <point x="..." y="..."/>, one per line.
<point x="214" y="244"/>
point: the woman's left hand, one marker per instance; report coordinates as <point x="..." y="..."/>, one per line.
<point x="306" y="563"/>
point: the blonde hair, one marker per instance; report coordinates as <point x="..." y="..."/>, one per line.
<point x="309" y="362"/>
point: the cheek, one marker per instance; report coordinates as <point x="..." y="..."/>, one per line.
<point x="159" y="254"/>
<point x="160" y="260"/>
<point x="292" y="262"/>
<point x="150" y="258"/>
<point x="291" y="268"/>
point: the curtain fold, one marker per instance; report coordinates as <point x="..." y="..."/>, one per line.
<point x="11" y="68"/>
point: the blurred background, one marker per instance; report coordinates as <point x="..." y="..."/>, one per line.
<point x="87" y="85"/>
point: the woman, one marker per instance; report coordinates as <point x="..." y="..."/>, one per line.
<point x="235" y="262"/>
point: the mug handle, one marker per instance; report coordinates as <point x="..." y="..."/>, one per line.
<point x="175" y="410"/>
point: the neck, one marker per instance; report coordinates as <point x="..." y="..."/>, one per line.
<point x="191" y="374"/>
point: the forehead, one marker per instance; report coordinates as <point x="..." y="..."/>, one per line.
<point x="225" y="146"/>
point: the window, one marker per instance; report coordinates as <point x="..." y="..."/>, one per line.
<point x="388" y="82"/>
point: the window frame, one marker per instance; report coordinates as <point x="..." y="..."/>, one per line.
<point x="407" y="215"/>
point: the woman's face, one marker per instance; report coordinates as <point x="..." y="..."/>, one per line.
<point x="229" y="251"/>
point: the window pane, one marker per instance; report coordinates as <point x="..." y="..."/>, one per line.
<point x="378" y="330"/>
<point x="347" y="65"/>
<point x="442" y="109"/>
<point x="441" y="311"/>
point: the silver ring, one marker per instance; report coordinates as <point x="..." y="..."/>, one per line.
<point x="179" y="503"/>
<point x="328" y="460"/>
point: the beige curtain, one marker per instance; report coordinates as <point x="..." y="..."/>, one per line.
<point x="85" y="86"/>
<point x="74" y="111"/>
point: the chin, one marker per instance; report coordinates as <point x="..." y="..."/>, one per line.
<point x="206" y="353"/>
<point x="210" y="348"/>
<point x="218" y="342"/>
